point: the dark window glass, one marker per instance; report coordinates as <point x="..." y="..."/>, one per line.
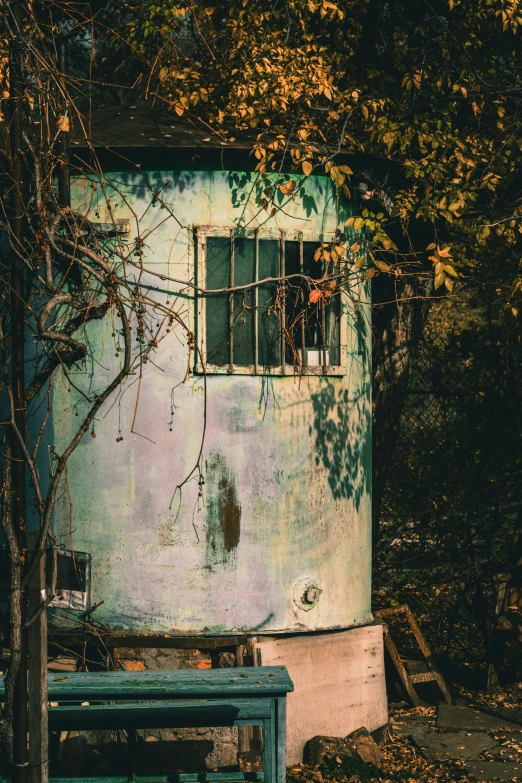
<point x="218" y="310"/>
<point x="269" y="323"/>
<point x="315" y="325"/>
<point x="244" y="301"/>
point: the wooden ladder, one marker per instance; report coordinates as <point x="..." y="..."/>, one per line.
<point x="410" y="680"/>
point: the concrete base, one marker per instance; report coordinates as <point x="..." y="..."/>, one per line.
<point x="339" y="683"/>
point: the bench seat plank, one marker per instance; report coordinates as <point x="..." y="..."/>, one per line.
<point x="181" y="777"/>
<point x="163" y="714"/>
<point x="162" y="684"/>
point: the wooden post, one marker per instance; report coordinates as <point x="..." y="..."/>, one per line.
<point x="18" y="312"/>
<point x="252" y="653"/>
<point x="244" y="733"/>
<point x="37" y="671"/>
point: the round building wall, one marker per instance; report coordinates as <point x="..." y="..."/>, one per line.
<point x="277" y="538"/>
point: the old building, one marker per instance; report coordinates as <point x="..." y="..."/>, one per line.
<point x="265" y="552"/>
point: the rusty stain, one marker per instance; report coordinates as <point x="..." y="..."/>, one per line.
<point x="223" y="511"/>
<point x="205" y="663"/>
<point x="134" y="666"/>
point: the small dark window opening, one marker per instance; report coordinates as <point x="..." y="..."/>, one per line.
<point x="273" y="325"/>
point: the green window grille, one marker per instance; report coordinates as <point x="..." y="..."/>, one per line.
<point x="269" y="328"/>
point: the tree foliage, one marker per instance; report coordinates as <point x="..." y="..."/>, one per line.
<point x="424" y="95"/>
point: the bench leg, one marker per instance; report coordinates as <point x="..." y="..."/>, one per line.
<point x="280" y="740"/>
<point x="132" y="742"/>
<point x="268" y="751"/>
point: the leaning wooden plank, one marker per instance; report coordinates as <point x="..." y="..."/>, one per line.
<point x="401" y="669"/>
<point x="182" y="683"/>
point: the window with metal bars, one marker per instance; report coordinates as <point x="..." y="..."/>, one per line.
<point x="273" y="327"/>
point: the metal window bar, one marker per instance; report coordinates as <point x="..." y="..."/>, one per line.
<point x="282" y="266"/>
<point x="283" y="291"/>
<point x="303" y="300"/>
<point x="323" y="325"/>
<point x="231" y="306"/>
<point x="256" y="303"/>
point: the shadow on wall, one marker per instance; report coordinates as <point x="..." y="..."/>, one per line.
<point x="242" y="186"/>
<point x="342" y="427"/>
<point x="138" y="184"/>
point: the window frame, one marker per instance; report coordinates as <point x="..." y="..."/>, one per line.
<point x="201" y="233"/>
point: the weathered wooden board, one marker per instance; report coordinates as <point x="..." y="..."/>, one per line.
<point x="164" y="684"/>
<point x="163" y="714"/>
<point x="173" y="777"/>
<point x="338" y="680"/>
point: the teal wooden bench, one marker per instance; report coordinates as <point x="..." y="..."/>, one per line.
<point x="185" y="698"/>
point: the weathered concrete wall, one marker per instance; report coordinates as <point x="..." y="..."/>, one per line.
<point x="291" y="454"/>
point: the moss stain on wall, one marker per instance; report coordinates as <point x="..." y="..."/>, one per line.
<point x="223" y="525"/>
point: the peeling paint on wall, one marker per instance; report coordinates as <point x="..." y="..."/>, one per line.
<point x="223" y="525"/>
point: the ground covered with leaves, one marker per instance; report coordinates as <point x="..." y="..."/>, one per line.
<point x="401" y="761"/>
<point x="508" y="697"/>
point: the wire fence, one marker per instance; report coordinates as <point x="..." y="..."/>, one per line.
<point x="453" y="497"/>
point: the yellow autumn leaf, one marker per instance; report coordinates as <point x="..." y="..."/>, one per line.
<point x="287" y="187"/>
<point x="439" y="280"/>
<point x="307" y="167"/>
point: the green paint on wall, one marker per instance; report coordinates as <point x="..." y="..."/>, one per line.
<point x="223" y="524"/>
